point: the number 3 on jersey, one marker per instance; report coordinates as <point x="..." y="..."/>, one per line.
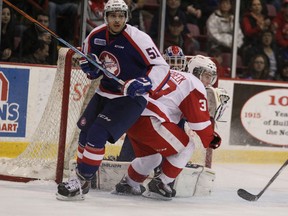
<point x="203" y="105"/>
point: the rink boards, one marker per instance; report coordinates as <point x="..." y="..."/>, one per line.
<point x="254" y="128"/>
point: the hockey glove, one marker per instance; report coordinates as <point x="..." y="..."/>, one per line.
<point x="222" y="102"/>
<point x="216" y="142"/>
<point x="137" y="87"/>
<point x="89" y="69"/>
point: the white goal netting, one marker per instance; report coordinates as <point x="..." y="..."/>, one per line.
<point x="39" y="159"/>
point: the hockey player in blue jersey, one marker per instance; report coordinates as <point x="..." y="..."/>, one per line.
<point x="131" y="56"/>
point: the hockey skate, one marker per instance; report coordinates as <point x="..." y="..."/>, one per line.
<point x="123" y="188"/>
<point x="172" y="188"/>
<point x="158" y="190"/>
<point x="74" y="189"/>
<point x="157" y="173"/>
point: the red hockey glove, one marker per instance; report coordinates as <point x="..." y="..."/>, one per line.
<point x="216" y="142"/>
<point x="137" y="87"/>
<point x="88" y="68"/>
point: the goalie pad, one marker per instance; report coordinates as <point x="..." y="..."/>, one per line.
<point x="110" y="173"/>
<point x="217" y="102"/>
<point x="194" y="180"/>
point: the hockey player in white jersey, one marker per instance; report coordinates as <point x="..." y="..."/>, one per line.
<point x="156" y="133"/>
<point x="132" y="57"/>
<point x="217" y="97"/>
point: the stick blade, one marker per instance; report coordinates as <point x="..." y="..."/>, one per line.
<point x="246" y="195"/>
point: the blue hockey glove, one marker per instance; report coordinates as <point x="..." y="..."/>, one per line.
<point x="89" y="69"/>
<point x="137" y="87"/>
<point x="216" y="142"/>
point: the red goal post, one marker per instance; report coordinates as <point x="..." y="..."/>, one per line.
<point x="54" y="141"/>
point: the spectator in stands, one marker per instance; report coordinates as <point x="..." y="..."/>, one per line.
<point x="192" y="10"/>
<point x="136" y="16"/>
<point x="268" y="47"/>
<point x="276" y="3"/>
<point x="198" y="11"/>
<point x="7" y="34"/>
<point x="206" y="12"/>
<point x="172" y="9"/>
<point x="280" y="25"/>
<point x="69" y="10"/>
<point x="220" y="27"/>
<point x="31" y="7"/>
<point x="174" y="36"/>
<point x="258" y="68"/>
<point x="283" y="72"/>
<point x="216" y="57"/>
<point x="95" y="14"/>
<point x="34" y="33"/>
<point x="253" y="23"/>
<point x="39" y="54"/>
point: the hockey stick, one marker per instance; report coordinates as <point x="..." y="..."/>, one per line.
<point x="106" y="72"/>
<point x="251" y="197"/>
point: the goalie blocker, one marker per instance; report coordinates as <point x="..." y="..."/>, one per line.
<point x="194" y="180"/>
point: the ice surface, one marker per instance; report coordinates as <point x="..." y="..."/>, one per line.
<point x="38" y="197"/>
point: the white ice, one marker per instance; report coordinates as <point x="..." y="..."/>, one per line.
<point x="38" y="197"/>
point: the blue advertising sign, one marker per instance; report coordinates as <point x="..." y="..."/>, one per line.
<point x="14" y="83"/>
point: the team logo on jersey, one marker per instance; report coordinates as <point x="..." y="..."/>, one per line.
<point x="110" y="63"/>
<point x="100" y="42"/>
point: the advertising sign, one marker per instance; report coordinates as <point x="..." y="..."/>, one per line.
<point x="259" y="116"/>
<point x="13" y="101"/>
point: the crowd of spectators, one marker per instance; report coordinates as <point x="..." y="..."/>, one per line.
<point x="261" y="34"/>
<point x="7" y="34"/>
<point x="23" y="41"/>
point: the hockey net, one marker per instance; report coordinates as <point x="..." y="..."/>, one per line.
<point x="54" y="143"/>
<point x="45" y="156"/>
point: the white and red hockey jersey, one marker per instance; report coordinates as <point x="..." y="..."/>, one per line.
<point x="183" y="96"/>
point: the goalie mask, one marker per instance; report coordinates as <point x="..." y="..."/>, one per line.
<point x="204" y="69"/>
<point x="113" y="6"/>
<point x="175" y="57"/>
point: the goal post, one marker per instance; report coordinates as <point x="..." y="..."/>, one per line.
<point x="54" y="141"/>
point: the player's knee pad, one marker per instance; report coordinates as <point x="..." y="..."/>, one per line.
<point x="97" y="136"/>
<point x="144" y="165"/>
<point x="181" y="158"/>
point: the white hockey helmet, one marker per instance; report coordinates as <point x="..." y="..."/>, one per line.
<point x="175" y="57"/>
<point x="115" y="5"/>
<point x="199" y="64"/>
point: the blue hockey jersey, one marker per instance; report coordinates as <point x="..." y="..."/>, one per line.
<point x="127" y="55"/>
